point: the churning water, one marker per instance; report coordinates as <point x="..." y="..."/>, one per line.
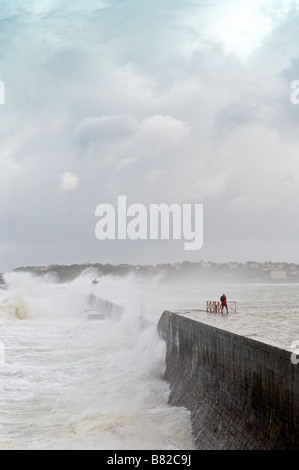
<point x="70" y="383"/>
<point x="67" y="382"/>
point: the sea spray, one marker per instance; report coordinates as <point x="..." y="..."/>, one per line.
<point x="70" y="383"/>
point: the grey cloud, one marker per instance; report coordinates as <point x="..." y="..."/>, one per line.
<point x="133" y="99"/>
<point x="104" y="129"/>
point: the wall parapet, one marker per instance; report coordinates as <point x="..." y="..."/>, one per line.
<point x="241" y="393"/>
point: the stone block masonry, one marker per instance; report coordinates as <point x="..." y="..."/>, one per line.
<point x="242" y="394"/>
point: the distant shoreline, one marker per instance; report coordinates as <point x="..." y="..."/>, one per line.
<point x="202" y="271"/>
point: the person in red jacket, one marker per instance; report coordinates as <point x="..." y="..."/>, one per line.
<point x="223" y="303"/>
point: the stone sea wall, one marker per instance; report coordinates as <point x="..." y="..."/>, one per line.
<point x="241" y="393"/>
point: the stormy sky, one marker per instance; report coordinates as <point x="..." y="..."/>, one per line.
<point x="161" y="101"/>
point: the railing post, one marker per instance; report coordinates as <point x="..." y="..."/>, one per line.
<point x="214" y="306"/>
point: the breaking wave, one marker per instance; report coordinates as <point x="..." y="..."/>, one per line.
<point x="71" y="383"/>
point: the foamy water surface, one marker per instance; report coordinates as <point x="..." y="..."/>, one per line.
<point x="70" y="383"/>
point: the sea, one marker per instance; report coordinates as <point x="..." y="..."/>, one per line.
<point x="68" y="382"/>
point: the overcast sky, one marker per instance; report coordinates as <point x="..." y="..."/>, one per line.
<point x="163" y="101"/>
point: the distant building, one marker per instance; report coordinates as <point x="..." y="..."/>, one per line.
<point x="266" y="266"/>
<point x="177" y="266"/>
<point x="252" y="264"/>
<point x="205" y="264"/>
<point x="278" y="274"/>
<point x="292" y="268"/>
<point x="232" y="264"/>
<point x="151" y="268"/>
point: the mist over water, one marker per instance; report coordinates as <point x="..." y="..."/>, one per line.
<point x="70" y="383"/>
<point x="67" y="382"/>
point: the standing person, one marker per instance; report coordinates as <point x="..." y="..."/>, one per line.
<point x="223" y="303"/>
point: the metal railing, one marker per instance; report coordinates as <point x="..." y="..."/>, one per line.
<point x="215" y="306"/>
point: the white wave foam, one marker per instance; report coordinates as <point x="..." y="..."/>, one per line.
<point x="72" y="383"/>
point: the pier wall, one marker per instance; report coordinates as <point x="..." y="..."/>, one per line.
<point x="241" y="393"/>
